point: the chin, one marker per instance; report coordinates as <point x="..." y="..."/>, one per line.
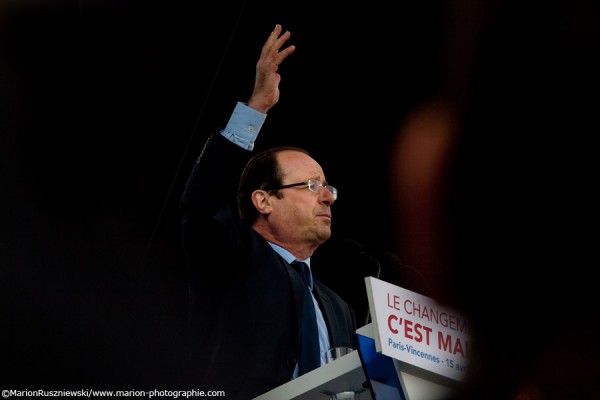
<point x="323" y="236"/>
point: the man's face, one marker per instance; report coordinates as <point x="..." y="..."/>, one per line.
<point x="300" y="215"/>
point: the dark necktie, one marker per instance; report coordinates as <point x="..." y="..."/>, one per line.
<point x="310" y="351"/>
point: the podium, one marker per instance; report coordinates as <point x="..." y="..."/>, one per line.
<point x="348" y="373"/>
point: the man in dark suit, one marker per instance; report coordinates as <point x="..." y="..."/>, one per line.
<point x="247" y="306"/>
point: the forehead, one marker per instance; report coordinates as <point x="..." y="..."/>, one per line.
<point x="297" y="165"/>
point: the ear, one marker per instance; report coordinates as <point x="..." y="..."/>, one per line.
<point x="262" y="202"/>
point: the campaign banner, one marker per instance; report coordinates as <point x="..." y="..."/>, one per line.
<point x="415" y="329"/>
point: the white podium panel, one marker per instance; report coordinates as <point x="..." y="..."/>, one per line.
<point x="345" y="373"/>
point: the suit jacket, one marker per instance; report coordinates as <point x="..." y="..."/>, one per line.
<point x="245" y="300"/>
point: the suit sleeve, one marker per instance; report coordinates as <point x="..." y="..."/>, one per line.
<point x="208" y="204"/>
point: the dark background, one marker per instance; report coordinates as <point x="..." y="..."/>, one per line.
<point x="106" y="105"/>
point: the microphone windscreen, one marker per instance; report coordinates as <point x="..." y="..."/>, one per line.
<point x="351" y="245"/>
<point x="394" y="271"/>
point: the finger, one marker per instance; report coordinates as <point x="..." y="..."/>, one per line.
<point x="272" y="45"/>
<point x="283" y="54"/>
<point x="276" y="31"/>
<point x="272" y="40"/>
<point x="282" y="39"/>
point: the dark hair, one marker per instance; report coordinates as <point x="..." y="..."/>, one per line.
<point x="262" y="171"/>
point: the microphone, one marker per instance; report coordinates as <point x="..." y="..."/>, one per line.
<point x="363" y="264"/>
<point x="346" y="263"/>
<point x="396" y="272"/>
<point x="355" y="247"/>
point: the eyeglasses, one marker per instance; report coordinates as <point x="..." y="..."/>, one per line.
<point x="313" y="185"/>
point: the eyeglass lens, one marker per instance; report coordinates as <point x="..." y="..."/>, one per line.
<point x="316" y="186"/>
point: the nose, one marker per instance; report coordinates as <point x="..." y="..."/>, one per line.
<point x="327" y="196"/>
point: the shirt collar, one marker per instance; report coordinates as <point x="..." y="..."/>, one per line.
<point x="286" y="255"/>
<point x="289" y="257"/>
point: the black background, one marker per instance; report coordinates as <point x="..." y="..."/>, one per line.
<point x="106" y="104"/>
<point x="109" y="104"/>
